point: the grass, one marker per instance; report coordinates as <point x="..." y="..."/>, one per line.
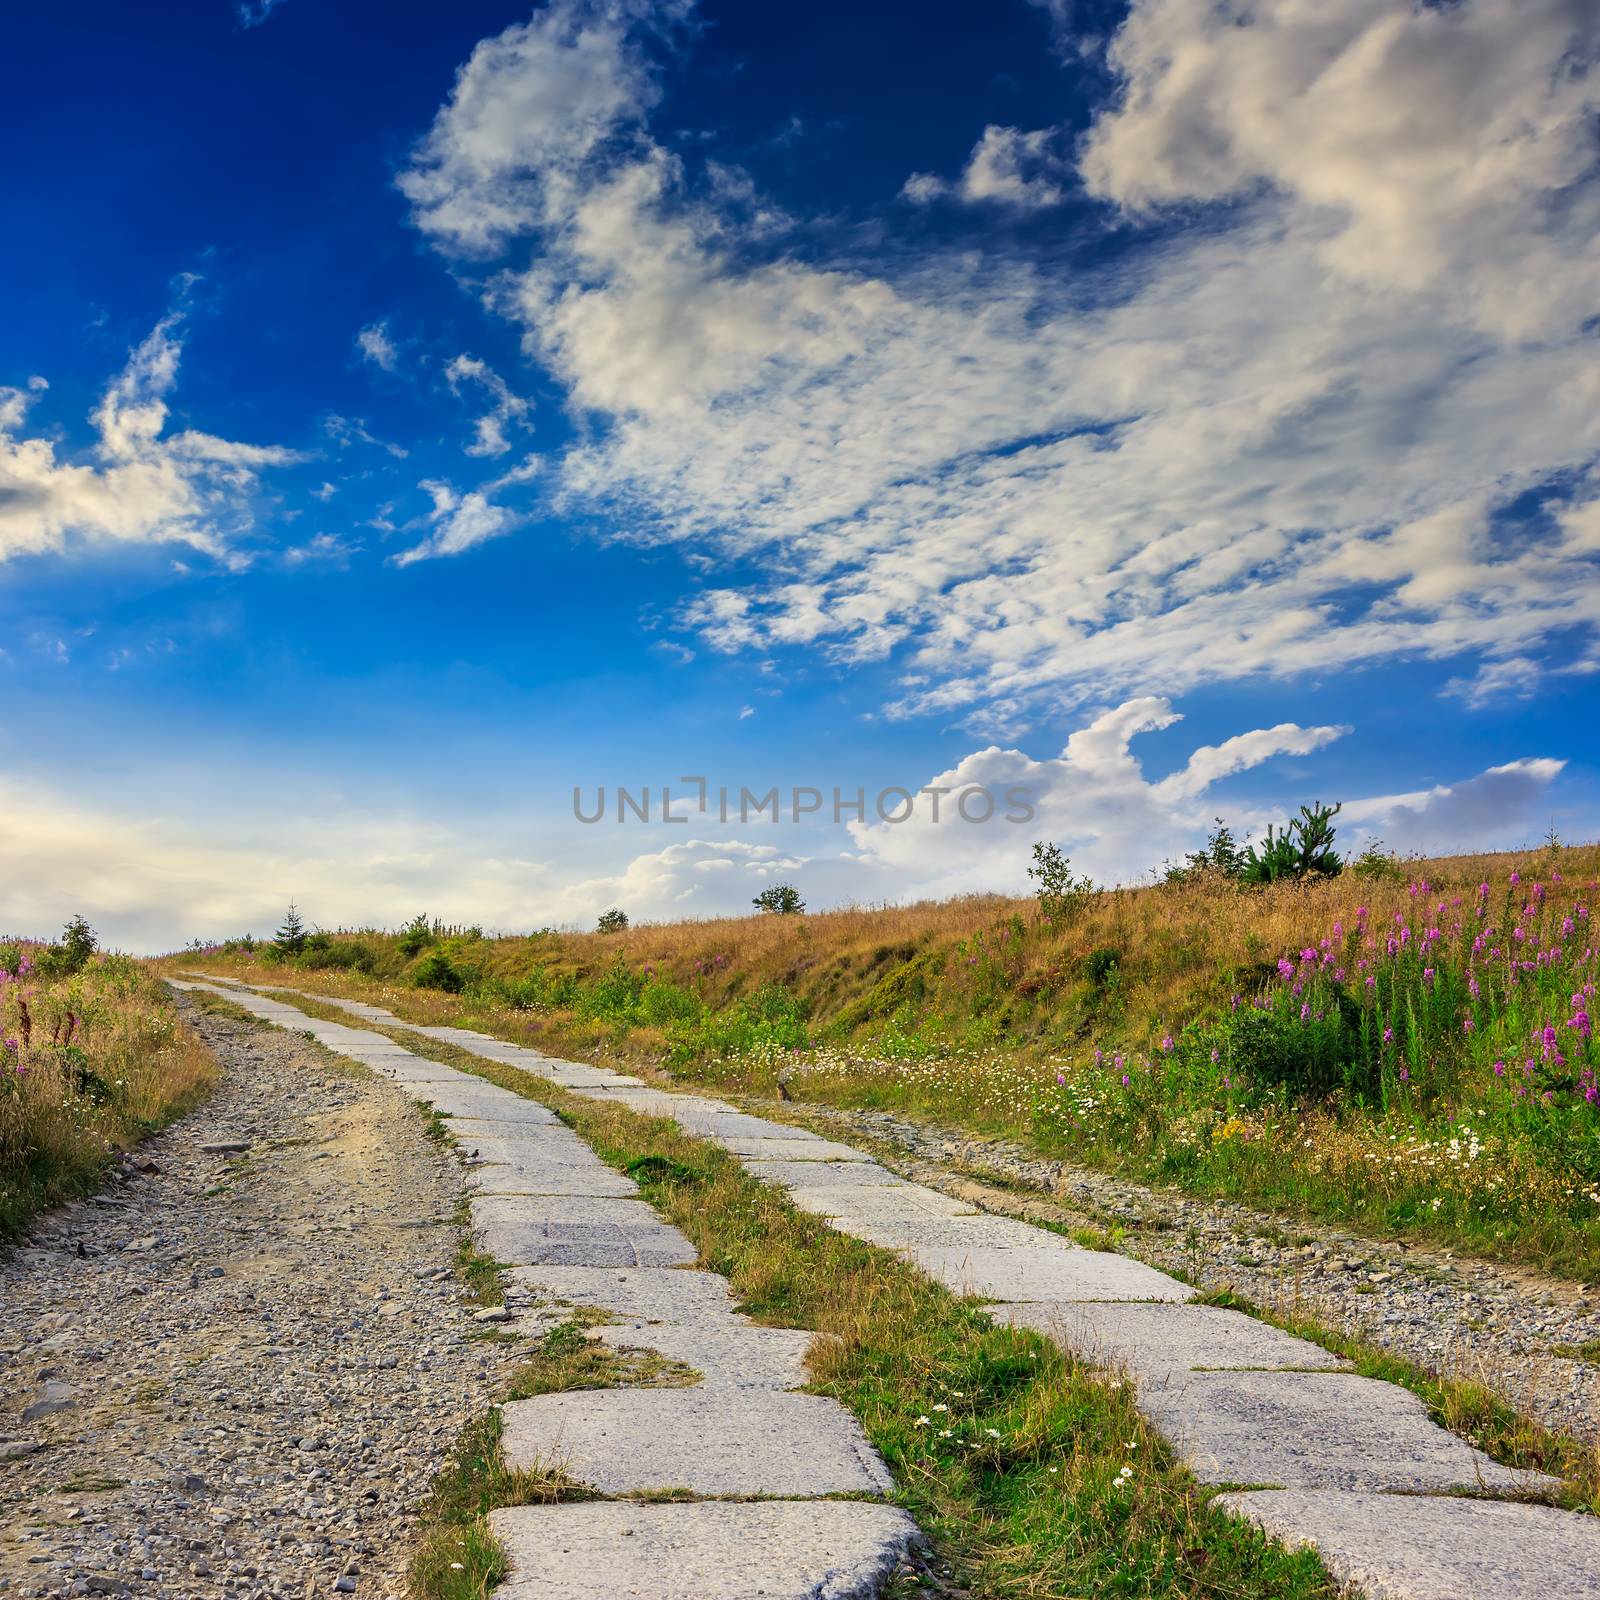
<point x="90" y="1063"/>
<point x="1033" y="1474"/>
<point x="1392" y="1092"/>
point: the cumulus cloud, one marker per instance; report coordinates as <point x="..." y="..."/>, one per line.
<point x="139" y="484"/>
<point x="1437" y="140"/>
<point x="1007" y="165"/>
<point x="1290" y="435"/>
<point x="506" y="409"/>
<point x="377" y="345"/>
<point x="1093" y="799"/>
<point x="1495" y="810"/>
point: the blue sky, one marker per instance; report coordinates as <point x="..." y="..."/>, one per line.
<point x="407" y="419"/>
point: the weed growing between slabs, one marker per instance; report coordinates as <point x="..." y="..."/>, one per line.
<point x="1032" y="1474"/>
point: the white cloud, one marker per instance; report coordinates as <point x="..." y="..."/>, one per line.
<point x="1514" y="678"/>
<point x="1437" y="139"/>
<point x="1495" y="810"/>
<point x="507" y="409"/>
<point x="460" y="521"/>
<point x="1277" y="439"/>
<point x="140" y="484"/>
<point x="1007" y="166"/>
<point x="153" y="875"/>
<point x="324" y="549"/>
<point x="1093" y="799"/>
<point x="377" y="345"/>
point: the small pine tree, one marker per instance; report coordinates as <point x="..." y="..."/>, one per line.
<point x="78" y="943"/>
<point x="612" y="921"/>
<point x="292" y="936"/>
<point x="1303" y="850"/>
<point x="782" y="899"/>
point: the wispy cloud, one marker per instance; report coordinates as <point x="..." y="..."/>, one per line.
<point x="459" y="521"/>
<point x="1292" y="431"/>
<point x="377" y="345"/>
<point x="252" y="13"/>
<point x="507" y="410"/>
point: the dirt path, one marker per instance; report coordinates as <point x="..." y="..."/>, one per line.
<point x="236" y="1370"/>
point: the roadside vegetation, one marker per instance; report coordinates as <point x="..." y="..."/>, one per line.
<point x="1400" y="1047"/>
<point x="92" y="1057"/>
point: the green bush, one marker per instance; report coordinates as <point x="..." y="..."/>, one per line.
<point x="1282" y="1047"/>
<point x="416" y="936"/>
<point x="1102" y="965"/>
<point x="341" y="955"/>
<point x="437" y="971"/>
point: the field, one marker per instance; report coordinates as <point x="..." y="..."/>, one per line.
<point x="1406" y="1048"/>
<point x="92" y="1056"/>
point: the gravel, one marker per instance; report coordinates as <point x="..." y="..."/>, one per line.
<point x="1499" y="1325"/>
<point x="236" y="1369"/>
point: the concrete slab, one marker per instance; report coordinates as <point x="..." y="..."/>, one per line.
<point x="636" y="1294"/>
<point x="929" y="1232"/>
<point x="1424" y="1548"/>
<point x="1316" y="1430"/>
<point x="577" y="1232"/>
<point x="531" y="1175"/>
<point x="742" y="1356"/>
<point x="553" y="1146"/>
<point x="1158" y="1340"/>
<point x="473" y="1100"/>
<point x="799" y="1147"/>
<point x="470" y="1131"/>
<point x="1058" y="1271"/>
<point x="646" y="1101"/>
<point x="836" y="1550"/>
<point x="714" y="1119"/>
<point x="731" y="1442"/>
<point x="848" y="1203"/>
<point x="816" y="1174"/>
<point x="414" y="1069"/>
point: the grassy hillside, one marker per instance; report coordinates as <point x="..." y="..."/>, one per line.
<point x="1406" y="1048"/>
<point x="92" y="1056"/>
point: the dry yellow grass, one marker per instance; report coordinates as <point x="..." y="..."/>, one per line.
<point x="90" y="1064"/>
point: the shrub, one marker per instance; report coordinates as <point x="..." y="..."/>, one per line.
<point x="342" y="955"/>
<point x="612" y="921"/>
<point x="1221" y="855"/>
<point x="437" y="971"/>
<point x="1280" y="1046"/>
<point x="783" y="899"/>
<point x="1375" y="864"/>
<point x="416" y="936"/>
<point x="1060" y="895"/>
<point x="1101" y="965"/>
